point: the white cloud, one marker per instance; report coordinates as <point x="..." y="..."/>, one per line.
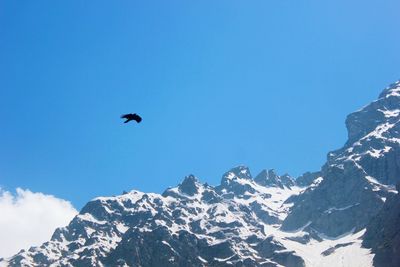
<point x="29" y="219"/>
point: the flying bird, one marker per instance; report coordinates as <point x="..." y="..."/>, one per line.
<point x="131" y="117"/>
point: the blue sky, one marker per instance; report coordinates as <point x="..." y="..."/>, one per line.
<point x="267" y="84"/>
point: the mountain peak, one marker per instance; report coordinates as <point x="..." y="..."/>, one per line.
<point x="189" y="185"/>
<point x="241" y="172"/>
<point x="386" y="109"/>
<point x="270" y="178"/>
<point x="392" y="90"/>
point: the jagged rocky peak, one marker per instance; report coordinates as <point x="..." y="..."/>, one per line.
<point x="270" y="178"/>
<point x="266" y="176"/>
<point x="236" y="182"/>
<point x="374" y="138"/>
<point x="241" y="172"/>
<point x="287" y="180"/>
<point x="190" y="185"/>
<point x="392" y="90"/>
<point x="365" y="120"/>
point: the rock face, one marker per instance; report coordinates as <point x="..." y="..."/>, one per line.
<point x="357" y="178"/>
<point x="318" y="219"/>
<point x="307" y="178"/>
<point x="270" y="178"/>
<point x="383" y="234"/>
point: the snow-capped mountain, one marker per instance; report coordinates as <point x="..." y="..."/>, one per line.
<point x="192" y="224"/>
<point x="358" y="178"/>
<point x="319" y="219"/>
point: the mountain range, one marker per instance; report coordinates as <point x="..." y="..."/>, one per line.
<point x="345" y="214"/>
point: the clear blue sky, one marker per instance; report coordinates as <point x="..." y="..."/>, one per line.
<point x="263" y="83"/>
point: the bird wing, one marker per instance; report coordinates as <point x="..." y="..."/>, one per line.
<point x="126" y="116"/>
<point x="137" y="118"/>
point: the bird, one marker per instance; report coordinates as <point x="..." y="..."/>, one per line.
<point x="131" y="117"/>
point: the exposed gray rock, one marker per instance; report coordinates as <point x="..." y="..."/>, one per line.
<point x="331" y="250"/>
<point x="356" y="178"/>
<point x="304" y="239"/>
<point x="307" y="178"/>
<point x="270" y="178"/>
<point x="189" y="185"/>
<point x="383" y="234"/>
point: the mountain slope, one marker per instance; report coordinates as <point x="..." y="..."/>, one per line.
<point x="383" y="233"/>
<point x="358" y="178"/>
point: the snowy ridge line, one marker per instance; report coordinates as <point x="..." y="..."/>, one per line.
<point x="134" y="202"/>
<point x="205" y="212"/>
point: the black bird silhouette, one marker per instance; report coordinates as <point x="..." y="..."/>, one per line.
<point x="131" y="117"/>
